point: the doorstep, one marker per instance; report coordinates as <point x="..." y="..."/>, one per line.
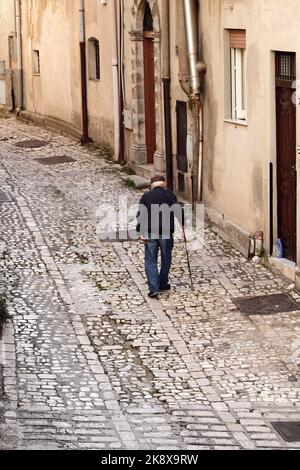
<point x="286" y="267"/>
<point x="146" y="171"/>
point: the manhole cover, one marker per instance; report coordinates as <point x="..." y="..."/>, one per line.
<point x="31" y="144"/>
<point x="267" y="305"/>
<point x="290" y="432"/>
<point x="56" y="160"/>
<point x="3" y="197"/>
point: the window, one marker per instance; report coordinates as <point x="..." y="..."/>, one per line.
<point x="148" y="19"/>
<point x="2" y="93"/>
<point x="36" y="63"/>
<point x="12" y="50"/>
<point x="94" y="59"/>
<point x="286" y="66"/>
<point x="238" y="74"/>
<point x="2" y="67"/>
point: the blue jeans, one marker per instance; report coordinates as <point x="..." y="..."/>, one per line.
<point x="158" y="281"/>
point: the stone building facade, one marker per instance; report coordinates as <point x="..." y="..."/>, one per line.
<point x="136" y="148"/>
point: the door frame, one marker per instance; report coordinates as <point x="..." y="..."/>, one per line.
<point x="149" y="36"/>
<point x="138" y="152"/>
<point x="274" y="158"/>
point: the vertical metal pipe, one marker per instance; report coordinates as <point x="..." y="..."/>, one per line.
<point x="201" y="69"/>
<point x="166" y="79"/>
<point x="271" y="209"/>
<point x="194" y="105"/>
<point x="18" y="14"/>
<point x="200" y="177"/>
<point x="82" y="45"/>
<point x="182" y="48"/>
<point x="165" y="27"/>
<point x="115" y="78"/>
<point x="121" y="82"/>
<point x="168" y="131"/>
<point x="191" y="31"/>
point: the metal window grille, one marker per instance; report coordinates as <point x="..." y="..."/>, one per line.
<point x="97" y="59"/>
<point x="148" y="19"/>
<point x="286" y="66"/>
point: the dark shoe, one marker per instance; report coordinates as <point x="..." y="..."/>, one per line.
<point x="153" y="295"/>
<point x="165" y="289"/>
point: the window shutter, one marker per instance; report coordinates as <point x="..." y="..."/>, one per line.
<point x="238" y="39"/>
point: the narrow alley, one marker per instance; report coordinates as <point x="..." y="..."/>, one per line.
<point x="88" y="361"/>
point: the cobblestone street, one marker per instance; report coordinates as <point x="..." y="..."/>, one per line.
<point x="89" y="362"/>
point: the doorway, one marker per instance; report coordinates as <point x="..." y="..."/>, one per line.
<point x="149" y="85"/>
<point x="181" y="121"/>
<point x="286" y="152"/>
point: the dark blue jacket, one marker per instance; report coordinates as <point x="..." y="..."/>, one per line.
<point x="157" y="220"/>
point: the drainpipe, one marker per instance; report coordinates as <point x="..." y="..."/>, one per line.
<point x="191" y="31"/>
<point x="200" y="169"/>
<point x="115" y="78"/>
<point x="201" y="67"/>
<point x="183" y="75"/>
<point x="18" y="18"/>
<point x="166" y="79"/>
<point x="82" y="44"/>
<point x="194" y="69"/>
<point x="121" y="82"/>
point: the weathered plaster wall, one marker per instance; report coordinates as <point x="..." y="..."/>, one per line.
<point x="237" y="157"/>
<point x="52" y="27"/>
<point x="6" y="29"/>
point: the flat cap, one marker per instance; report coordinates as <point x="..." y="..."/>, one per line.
<point x="158" y="179"/>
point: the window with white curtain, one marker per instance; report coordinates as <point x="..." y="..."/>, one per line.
<point x="238" y="74"/>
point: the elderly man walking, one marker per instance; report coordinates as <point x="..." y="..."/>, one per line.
<point x="156" y="226"/>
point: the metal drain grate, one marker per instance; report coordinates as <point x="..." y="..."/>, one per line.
<point x="4" y="197"/>
<point x="267" y="305"/>
<point x="290" y="432"/>
<point x="56" y="160"/>
<point x="31" y="144"/>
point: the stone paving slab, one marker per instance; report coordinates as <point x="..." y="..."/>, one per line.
<point x="89" y="362"/>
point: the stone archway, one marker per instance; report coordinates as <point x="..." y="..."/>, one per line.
<point x="139" y="147"/>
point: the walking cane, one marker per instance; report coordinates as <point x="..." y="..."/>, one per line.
<point x="188" y="258"/>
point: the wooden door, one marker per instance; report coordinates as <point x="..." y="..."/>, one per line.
<point x="181" y="118"/>
<point x="286" y="152"/>
<point x="149" y="86"/>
